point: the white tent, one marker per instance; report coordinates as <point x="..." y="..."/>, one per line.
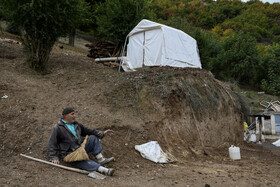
<point x="154" y="44"/>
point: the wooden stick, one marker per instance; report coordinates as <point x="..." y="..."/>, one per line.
<point x="57" y="165"/>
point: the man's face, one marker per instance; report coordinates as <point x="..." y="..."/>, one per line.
<point x="69" y="118"/>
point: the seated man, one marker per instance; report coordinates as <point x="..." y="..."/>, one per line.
<point x="67" y="136"/>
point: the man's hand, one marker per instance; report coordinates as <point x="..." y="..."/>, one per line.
<point x="55" y="161"/>
<point x="108" y="131"/>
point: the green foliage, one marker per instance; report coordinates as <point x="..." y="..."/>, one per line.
<point x="250" y="21"/>
<point x="256" y="18"/>
<point x="207" y="15"/>
<point x="42" y="22"/>
<point x="14" y="29"/>
<point x="164" y="9"/>
<point x="116" y="18"/>
<point x="225" y="9"/>
<point x="90" y="26"/>
<point x="223" y="17"/>
<point x="271" y="67"/>
<point x="198" y="14"/>
<point x="238" y="59"/>
<point x="209" y="47"/>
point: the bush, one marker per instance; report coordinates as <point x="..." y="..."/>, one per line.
<point x="271" y="63"/>
<point x="115" y="18"/>
<point x="42" y="22"/>
<point x="255" y="23"/>
<point x="14" y="29"/>
<point x="238" y="59"/>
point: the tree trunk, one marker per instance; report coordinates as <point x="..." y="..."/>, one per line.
<point x="38" y="52"/>
<point x="72" y="37"/>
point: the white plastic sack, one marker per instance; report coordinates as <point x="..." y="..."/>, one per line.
<point x="152" y="151"/>
<point x="250" y="136"/>
<point x="277" y="143"/>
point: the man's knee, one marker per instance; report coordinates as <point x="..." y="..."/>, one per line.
<point x="93" y="145"/>
<point x="92" y="136"/>
<point x="92" y="139"/>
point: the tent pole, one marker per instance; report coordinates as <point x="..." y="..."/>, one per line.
<point x="144" y="41"/>
<point x="123" y="53"/>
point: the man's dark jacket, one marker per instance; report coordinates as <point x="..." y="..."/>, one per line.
<point x="63" y="141"/>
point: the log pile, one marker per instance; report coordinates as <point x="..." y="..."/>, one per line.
<point x="102" y="49"/>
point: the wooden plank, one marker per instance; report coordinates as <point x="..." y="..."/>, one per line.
<point x="56" y="165"/>
<point x="92" y="174"/>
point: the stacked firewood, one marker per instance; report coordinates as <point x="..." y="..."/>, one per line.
<point x="102" y="49"/>
<point x="105" y="49"/>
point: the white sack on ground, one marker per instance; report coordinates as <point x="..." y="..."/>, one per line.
<point x="277" y="143"/>
<point x="152" y="151"/>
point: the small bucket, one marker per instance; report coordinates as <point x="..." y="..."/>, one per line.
<point x="234" y="153"/>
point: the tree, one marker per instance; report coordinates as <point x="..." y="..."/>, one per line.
<point x="115" y="18"/>
<point x="238" y="59"/>
<point x="271" y="70"/>
<point x="42" y="23"/>
<point x="251" y="21"/>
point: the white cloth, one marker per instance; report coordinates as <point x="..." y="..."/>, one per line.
<point x="152" y="151"/>
<point x="277" y="143"/>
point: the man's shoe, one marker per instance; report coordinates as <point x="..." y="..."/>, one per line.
<point x="105" y="161"/>
<point x="110" y="172"/>
<point x="106" y="171"/>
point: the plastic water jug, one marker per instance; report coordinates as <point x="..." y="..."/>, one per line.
<point x="234" y="153"/>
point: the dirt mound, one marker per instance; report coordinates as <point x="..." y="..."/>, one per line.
<point x="180" y="107"/>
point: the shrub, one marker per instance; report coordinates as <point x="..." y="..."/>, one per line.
<point x="271" y="63"/>
<point x="115" y="18"/>
<point x="237" y="60"/>
<point x="42" y="22"/>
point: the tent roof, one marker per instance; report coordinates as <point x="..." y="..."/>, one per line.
<point x="146" y="25"/>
